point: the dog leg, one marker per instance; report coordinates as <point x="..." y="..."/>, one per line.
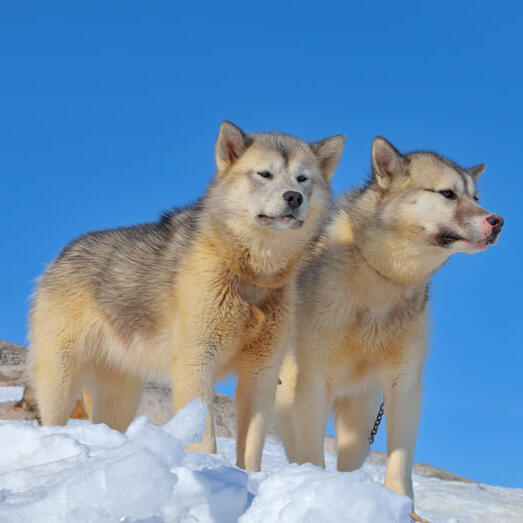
<point x="403" y="394"/>
<point x="254" y="405"/>
<point x="312" y="414"/>
<point x="196" y="380"/>
<point x="285" y="407"/>
<point x="354" y="417"/>
<point x="111" y="397"/>
<point x="56" y="383"/>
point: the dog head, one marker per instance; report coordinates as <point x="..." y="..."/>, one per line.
<point x="271" y="181"/>
<point x="431" y="200"/>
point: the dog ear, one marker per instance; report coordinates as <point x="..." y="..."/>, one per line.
<point x="388" y="164"/>
<point x="230" y="145"/>
<point x="476" y="171"/>
<point x="328" y="151"/>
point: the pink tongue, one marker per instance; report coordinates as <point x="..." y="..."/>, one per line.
<point x="286" y="218"/>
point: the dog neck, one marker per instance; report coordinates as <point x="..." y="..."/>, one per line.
<point x="368" y="264"/>
<point x="254" y="264"/>
<point x="382" y="256"/>
<point x="398" y="261"/>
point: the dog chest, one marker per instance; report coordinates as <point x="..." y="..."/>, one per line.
<point x="252" y="294"/>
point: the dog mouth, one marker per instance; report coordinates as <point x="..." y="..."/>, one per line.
<point x="447" y="238"/>
<point x="284" y="221"/>
<point x="493" y="237"/>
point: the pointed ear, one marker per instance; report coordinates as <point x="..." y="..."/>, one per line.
<point x="388" y="164"/>
<point x="476" y="171"/>
<point x="328" y="152"/>
<point x="230" y="145"/>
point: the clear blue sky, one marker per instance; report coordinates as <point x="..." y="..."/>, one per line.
<point x="109" y="112"/>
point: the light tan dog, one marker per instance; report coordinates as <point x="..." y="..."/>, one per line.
<point x="361" y="327"/>
<point x="205" y="291"/>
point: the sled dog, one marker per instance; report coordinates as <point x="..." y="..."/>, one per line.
<point x="206" y="290"/>
<point x="361" y="329"/>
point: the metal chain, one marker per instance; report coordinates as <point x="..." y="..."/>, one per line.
<point x="374" y="430"/>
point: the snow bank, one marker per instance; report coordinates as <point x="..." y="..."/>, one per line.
<point x="83" y="472"/>
<point x="90" y="473"/>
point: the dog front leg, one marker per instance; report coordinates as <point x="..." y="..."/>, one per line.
<point x="196" y="380"/>
<point x="403" y="394"/>
<point x="254" y="405"/>
<point x="285" y="406"/>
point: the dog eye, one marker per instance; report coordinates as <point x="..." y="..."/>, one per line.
<point x="450" y="195"/>
<point x="265" y="174"/>
<point x="302" y="178"/>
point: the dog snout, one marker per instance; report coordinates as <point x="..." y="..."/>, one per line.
<point x="293" y="198"/>
<point x="495" y="220"/>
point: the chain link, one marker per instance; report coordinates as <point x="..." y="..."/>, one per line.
<point x="374" y="430"/>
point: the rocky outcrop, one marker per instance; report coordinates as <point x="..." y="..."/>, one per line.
<point x="12" y="364"/>
<point x="156" y="404"/>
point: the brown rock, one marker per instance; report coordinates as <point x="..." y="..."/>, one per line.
<point x="9" y="410"/>
<point x="12" y="354"/>
<point x="12" y="364"/>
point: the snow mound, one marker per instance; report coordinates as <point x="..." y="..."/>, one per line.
<point x="90" y="473"/>
<point x="308" y="494"/>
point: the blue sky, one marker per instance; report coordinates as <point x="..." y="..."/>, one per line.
<point x="109" y="112"/>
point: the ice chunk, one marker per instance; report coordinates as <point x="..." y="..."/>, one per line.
<point x="308" y="494"/>
<point x="218" y="494"/>
<point x="188" y="424"/>
<point x="157" y="440"/>
<point x="113" y="485"/>
<point x="137" y="483"/>
<point x="23" y="446"/>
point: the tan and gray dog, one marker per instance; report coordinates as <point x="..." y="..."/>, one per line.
<point x="205" y="291"/>
<point x="362" y="307"/>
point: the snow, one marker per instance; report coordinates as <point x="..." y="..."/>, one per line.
<point x="90" y="473"/>
<point x="309" y="494"/>
<point x="11" y="393"/>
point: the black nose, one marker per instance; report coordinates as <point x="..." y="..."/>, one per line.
<point x="496" y="221"/>
<point x="293" y="198"/>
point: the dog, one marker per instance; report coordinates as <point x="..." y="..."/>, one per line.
<point x="205" y="291"/>
<point x="361" y="328"/>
